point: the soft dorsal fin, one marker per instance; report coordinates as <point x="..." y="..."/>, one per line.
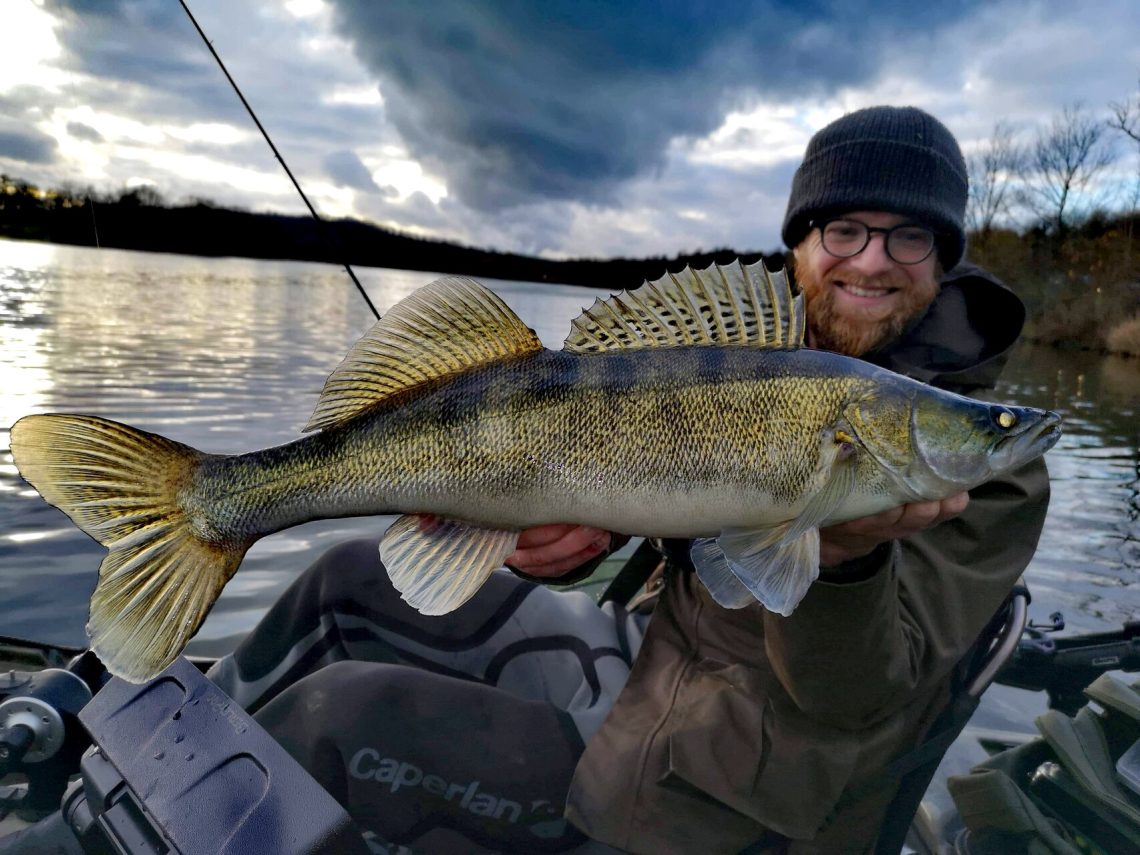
<point x="444" y="328"/>
<point x="739" y="304"/>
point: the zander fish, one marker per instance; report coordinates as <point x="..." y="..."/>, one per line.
<point x="687" y="408"/>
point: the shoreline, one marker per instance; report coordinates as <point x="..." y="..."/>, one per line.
<point x="1124" y="344"/>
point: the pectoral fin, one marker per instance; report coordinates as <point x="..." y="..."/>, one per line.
<point x="778" y="575"/>
<point x="776" y="564"/>
<point x="438" y="564"/>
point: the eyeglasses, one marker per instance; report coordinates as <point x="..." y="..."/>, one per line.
<point x="905" y="244"/>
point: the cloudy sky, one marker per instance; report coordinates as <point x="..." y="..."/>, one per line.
<point x="553" y="127"/>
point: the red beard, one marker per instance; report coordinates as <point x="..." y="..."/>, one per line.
<point x="830" y="329"/>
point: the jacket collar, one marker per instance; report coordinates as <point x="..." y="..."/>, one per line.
<point x="964" y="338"/>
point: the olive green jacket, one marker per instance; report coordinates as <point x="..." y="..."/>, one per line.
<point x="741" y="725"/>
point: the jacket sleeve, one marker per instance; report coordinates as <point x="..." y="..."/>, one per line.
<point x="853" y="653"/>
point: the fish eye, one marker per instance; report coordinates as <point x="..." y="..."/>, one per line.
<point x="1003" y="418"/>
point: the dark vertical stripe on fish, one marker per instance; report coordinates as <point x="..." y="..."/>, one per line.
<point x="620" y="376"/>
<point x="560" y="372"/>
<point x="475" y="388"/>
<point x="711" y="364"/>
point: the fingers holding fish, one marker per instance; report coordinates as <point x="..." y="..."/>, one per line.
<point x="859" y="537"/>
<point x="953" y="506"/>
<point x="918" y="516"/>
<point x="549" y="551"/>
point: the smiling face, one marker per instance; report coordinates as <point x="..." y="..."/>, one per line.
<point x="859" y="303"/>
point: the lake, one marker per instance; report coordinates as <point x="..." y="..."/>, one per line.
<point x="229" y="355"/>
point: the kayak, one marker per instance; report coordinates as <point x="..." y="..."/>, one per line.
<point x="135" y="768"/>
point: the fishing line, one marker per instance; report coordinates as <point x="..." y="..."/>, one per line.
<point x="94" y="225"/>
<point x="276" y="153"/>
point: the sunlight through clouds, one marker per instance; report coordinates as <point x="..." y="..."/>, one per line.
<point x="150" y="143"/>
<point x="208" y="132"/>
<point x="304" y="8"/>
<point x="333" y="201"/>
<point x="269" y="181"/>
<point x="113" y="128"/>
<point x="765" y="135"/>
<point x="406" y="177"/>
<point x="26" y="58"/>
<point x="365" y="96"/>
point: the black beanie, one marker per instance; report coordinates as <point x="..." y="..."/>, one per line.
<point x="896" y="159"/>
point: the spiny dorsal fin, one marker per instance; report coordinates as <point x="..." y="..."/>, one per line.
<point x="444" y="328"/>
<point x="734" y="305"/>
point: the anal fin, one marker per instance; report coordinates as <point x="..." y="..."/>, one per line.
<point x="438" y="564"/>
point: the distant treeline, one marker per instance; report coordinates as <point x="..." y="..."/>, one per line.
<point x="140" y="219"/>
<point x="1080" y="278"/>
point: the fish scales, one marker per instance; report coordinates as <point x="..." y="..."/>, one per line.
<point x="518" y="444"/>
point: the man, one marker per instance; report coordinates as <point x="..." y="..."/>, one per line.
<point x="733" y="728"/>
<point x="857" y="674"/>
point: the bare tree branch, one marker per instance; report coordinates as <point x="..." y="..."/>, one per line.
<point x="992" y="170"/>
<point x="1062" y="165"/>
<point x="1126" y="117"/>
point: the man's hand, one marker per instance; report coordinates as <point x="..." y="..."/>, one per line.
<point x="856" y="538"/>
<point x="552" y="550"/>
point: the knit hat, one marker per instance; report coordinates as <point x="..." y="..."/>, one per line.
<point x="896" y="159"/>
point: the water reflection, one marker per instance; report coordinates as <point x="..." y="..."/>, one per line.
<point x="1088" y="560"/>
<point x="229" y="355"/>
<point x="24" y="374"/>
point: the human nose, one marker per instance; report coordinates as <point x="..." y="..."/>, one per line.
<point x="873" y="259"/>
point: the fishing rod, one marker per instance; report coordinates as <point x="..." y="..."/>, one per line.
<point x="276" y="153"/>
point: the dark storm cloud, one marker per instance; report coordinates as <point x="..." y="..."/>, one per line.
<point x="84" y="132"/>
<point x="514" y="101"/>
<point x="740" y="207"/>
<point x="151" y="63"/>
<point x="346" y="169"/>
<point x="27" y="145"/>
<point x="147" y="42"/>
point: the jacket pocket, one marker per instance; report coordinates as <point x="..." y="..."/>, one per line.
<point x="716" y="734"/>
<point x="756" y="753"/>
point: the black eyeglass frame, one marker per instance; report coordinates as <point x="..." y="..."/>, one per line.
<point x="870" y="230"/>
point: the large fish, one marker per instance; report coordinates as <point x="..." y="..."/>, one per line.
<point x="687" y="408"/>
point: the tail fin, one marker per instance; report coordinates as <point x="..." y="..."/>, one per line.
<point x="121" y="486"/>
